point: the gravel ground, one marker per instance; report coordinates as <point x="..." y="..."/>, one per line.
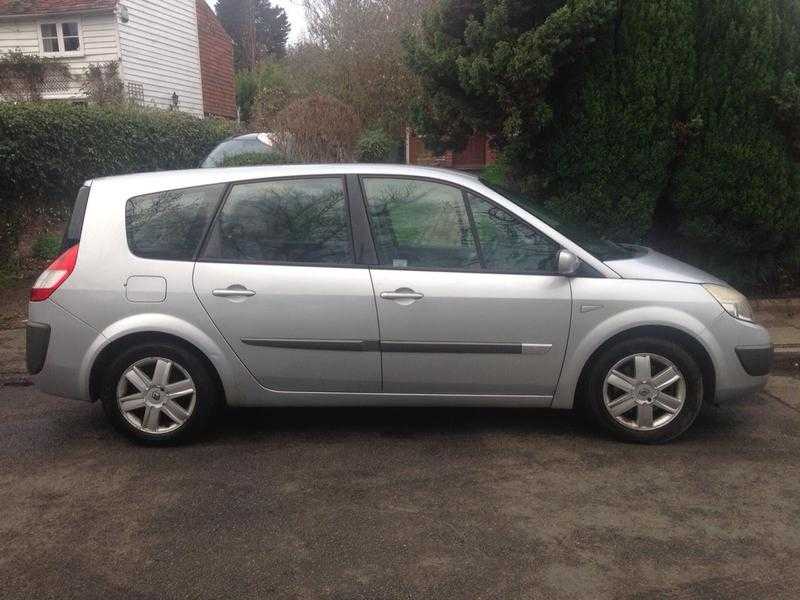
<point x="400" y="503"/>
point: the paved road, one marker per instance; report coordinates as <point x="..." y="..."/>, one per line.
<point x="391" y="503"/>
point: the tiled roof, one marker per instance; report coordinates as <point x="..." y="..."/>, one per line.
<point x="52" y="7"/>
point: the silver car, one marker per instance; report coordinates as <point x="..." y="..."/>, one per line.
<point x="181" y="292"/>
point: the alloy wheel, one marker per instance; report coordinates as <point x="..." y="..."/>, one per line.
<point x="156" y="395"/>
<point x="644" y="391"/>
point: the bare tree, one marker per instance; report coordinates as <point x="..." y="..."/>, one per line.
<point x="355" y="53"/>
<point x="317" y="129"/>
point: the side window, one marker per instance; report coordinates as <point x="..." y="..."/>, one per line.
<point x="508" y="244"/>
<point x="170" y="225"/>
<point x="293" y="221"/>
<point x="420" y="224"/>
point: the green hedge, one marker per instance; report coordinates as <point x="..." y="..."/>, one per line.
<point x="47" y="150"/>
<point x="249" y="159"/>
<point x="376" y="146"/>
<point x="674" y="123"/>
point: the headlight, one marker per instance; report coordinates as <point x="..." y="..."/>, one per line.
<point x="732" y="301"/>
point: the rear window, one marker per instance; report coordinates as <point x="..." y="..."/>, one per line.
<point x="170" y="225"/>
<point x="73" y="233"/>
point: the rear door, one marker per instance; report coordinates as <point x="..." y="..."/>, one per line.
<point x="467" y="295"/>
<point x="278" y="277"/>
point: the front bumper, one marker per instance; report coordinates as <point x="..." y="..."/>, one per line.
<point x="742" y="357"/>
<point x="756" y="360"/>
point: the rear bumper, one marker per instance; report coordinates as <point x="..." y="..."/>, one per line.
<point x="57" y="346"/>
<point x="37" y="339"/>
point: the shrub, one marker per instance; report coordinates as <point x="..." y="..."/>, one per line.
<point x="47" y="150"/>
<point x="102" y="84"/>
<point x="376" y="146"/>
<point x="266" y="106"/>
<point x="253" y="158"/>
<point x="26" y="76"/>
<point x="670" y="122"/>
<point x="46" y="246"/>
<point x="317" y="129"/>
<point x="267" y="77"/>
<point x="496" y="173"/>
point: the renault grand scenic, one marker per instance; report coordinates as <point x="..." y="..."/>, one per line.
<point x="180" y="292"/>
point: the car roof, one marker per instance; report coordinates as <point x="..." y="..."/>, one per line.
<point x="143" y="183"/>
<point x="247" y="136"/>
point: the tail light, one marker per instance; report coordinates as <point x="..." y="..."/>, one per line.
<point x="54" y="275"/>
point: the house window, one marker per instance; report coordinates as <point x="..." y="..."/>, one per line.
<point x="60" y="38"/>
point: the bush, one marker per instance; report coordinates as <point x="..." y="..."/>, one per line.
<point x="317" y="129"/>
<point x="26" y="76"/>
<point x="497" y="173"/>
<point x="248" y="159"/>
<point x="672" y="122"/>
<point x="266" y="77"/>
<point x="376" y="146"/>
<point x="47" y="150"/>
<point x="46" y="246"/>
<point x="102" y="84"/>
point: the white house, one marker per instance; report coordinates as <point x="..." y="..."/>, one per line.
<point x="170" y="52"/>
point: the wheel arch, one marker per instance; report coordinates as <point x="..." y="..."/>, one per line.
<point x="124" y="342"/>
<point x="685" y="340"/>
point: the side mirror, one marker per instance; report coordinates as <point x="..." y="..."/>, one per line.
<point x="568" y="263"/>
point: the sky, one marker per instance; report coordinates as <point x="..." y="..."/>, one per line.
<point x="294" y="10"/>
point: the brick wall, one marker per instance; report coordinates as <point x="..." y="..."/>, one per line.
<point x="216" y="64"/>
<point x="477" y="154"/>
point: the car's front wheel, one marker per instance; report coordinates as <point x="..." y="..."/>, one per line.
<point x="646" y="390"/>
<point x="159" y="393"/>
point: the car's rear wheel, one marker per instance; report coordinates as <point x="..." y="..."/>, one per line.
<point x="647" y="390"/>
<point x="159" y="393"/>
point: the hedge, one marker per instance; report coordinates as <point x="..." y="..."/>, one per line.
<point x="673" y="123"/>
<point x="47" y="150"/>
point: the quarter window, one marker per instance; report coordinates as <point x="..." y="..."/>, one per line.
<point x="508" y="244"/>
<point x="420" y="224"/>
<point x="292" y="221"/>
<point x="60" y="38"/>
<point x="170" y="225"/>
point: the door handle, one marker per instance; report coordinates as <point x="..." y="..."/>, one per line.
<point x="402" y="294"/>
<point x="234" y="291"/>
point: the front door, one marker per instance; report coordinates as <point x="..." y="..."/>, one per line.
<point x="467" y="296"/>
<point x="277" y="277"/>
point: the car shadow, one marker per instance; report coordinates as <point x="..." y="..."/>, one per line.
<point x="399" y="422"/>
<point x="713" y="422"/>
<point x="248" y="425"/>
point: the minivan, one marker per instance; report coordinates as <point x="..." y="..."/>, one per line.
<point x="179" y="293"/>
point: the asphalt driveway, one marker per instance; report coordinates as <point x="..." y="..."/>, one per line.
<point x="400" y="503"/>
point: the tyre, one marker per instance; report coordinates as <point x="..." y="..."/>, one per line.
<point x="645" y="390"/>
<point x="159" y="394"/>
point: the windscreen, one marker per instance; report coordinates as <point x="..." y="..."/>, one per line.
<point x="595" y="245"/>
<point x="235" y="148"/>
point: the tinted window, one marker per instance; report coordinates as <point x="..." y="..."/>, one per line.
<point x="235" y="147"/>
<point x="73" y="233"/>
<point x="301" y="220"/>
<point x="170" y="225"/>
<point x="577" y="232"/>
<point x="420" y="224"/>
<point x="508" y="244"/>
